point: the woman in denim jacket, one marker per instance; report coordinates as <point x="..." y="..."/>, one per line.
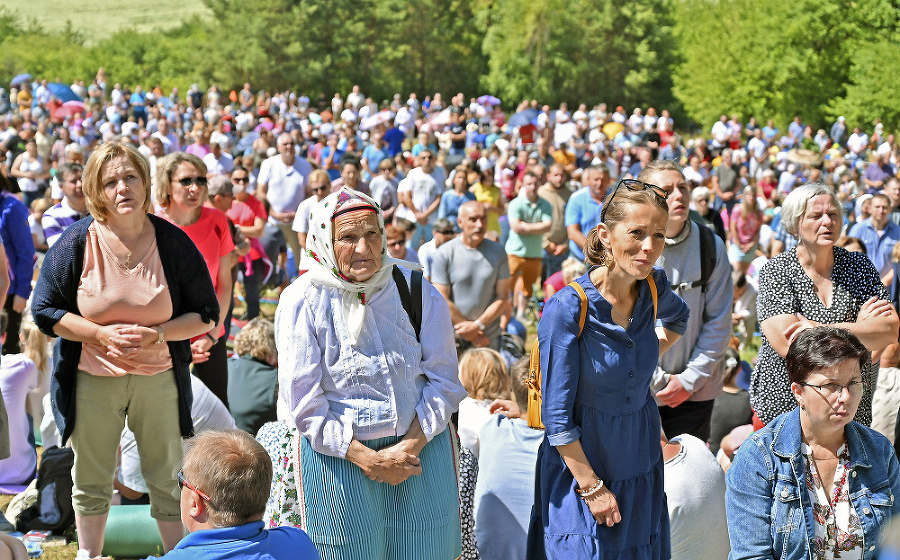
<point x="813" y="483"/>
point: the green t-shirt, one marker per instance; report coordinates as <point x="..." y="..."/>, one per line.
<point x="528" y="245"/>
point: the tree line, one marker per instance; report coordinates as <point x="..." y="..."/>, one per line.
<point x="698" y="58"/>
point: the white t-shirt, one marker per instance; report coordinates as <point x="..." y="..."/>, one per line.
<point x="695" y="492"/>
<point x="286" y="183"/>
<point x="424" y="188"/>
<point x="218" y="166"/>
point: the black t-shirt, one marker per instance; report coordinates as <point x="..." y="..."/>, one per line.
<point x="458" y="129"/>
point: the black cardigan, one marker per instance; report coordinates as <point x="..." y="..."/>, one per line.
<point x="56" y="293"/>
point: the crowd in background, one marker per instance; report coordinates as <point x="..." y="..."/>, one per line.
<point x="495" y="206"/>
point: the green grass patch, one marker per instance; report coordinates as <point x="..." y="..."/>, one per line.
<point x="96" y="20"/>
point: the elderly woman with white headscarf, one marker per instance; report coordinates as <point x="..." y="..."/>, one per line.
<point x="370" y="397"/>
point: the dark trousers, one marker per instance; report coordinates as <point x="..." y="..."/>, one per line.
<point x="14" y="323"/>
<point x="690" y="417"/>
<point x="252" y="285"/>
<point x="214" y="372"/>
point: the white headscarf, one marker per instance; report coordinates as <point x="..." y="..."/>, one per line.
<point x="323" y="266"/>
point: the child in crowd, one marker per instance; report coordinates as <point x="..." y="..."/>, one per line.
<point x="484" y="376"/>
<point x="732" y="407"/>
<point x="506" y="468"/>
<point x="36" y="347"/>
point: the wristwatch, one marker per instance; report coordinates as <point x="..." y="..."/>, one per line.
<point x="479" y="324"/>
<point x="161" y="335"/>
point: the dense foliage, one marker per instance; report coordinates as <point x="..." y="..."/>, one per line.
<point x="698" y="58"/>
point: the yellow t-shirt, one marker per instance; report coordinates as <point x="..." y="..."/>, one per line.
<point x="492" y="195"/>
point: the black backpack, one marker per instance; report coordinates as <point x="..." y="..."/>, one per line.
<point x="53" y="509"/>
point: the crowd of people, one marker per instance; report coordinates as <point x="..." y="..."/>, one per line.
<point x="407" y="243"/>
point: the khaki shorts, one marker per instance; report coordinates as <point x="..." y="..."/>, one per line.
<point x="525" y="273"/>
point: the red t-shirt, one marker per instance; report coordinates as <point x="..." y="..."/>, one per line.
<point x="212" y="236"/>
<point x="242" y="214"/>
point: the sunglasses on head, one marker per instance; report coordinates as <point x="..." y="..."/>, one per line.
<point x="637" y="186"/>
<point x="188" y="181"/>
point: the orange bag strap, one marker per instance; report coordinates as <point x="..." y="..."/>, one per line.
<point x="652" y="284"/>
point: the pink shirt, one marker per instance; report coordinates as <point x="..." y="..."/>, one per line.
<point x="109" y="294"/>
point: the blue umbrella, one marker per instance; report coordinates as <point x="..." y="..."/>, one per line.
<point x="523" y="118"/>
<point x="20" y="79"/>
<point x="63" y="92"/>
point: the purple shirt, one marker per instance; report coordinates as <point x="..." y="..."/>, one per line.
<point x="57" y="218"/>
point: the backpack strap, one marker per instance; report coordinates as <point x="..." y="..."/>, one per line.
<point x="651" y="283"/>
<point x="582" y="317"/>
<point x="412" y="303"/>
<point x="707" y="256"/>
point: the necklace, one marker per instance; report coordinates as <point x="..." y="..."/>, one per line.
<point x="125" y="263"/>
<point x="621" y="317"/>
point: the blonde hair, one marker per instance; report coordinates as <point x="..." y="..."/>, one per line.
<point x="257" y="340"/>
<point x="483" y="374"/>
<point x="92" y="180"/>
<point x="318" y="176"/>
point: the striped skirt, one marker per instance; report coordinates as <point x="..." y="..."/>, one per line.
<point x="349" y="517"/>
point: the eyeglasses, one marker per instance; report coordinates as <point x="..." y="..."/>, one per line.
<point x="396" y="243"/>
<point x="637" y="186"/>
<point x="854" y="388"/>
<point x="240" y="179"/>
<point x="188" y="181"/>
<point x="322" y="188"/>
<point x="448" y="232"/>
<point x="182" y="482"/>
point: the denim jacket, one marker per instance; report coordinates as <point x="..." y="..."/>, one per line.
<point x="770" y="515"/>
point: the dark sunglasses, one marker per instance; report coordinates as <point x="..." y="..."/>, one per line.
<point x="188" y="181"/>
<point x="396" y="243"/>
<point x="637" y="186"/>
<point x="240" y="179"/>
<point x="182" y="482"/>
<point x="322" y="188"/>
<point x="448" y="232"/>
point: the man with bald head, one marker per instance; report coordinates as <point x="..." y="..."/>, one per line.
<point x="282" y="181"/>
<point x="472" y="273"/>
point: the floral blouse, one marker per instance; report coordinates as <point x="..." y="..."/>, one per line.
<point x="838" y="530"/>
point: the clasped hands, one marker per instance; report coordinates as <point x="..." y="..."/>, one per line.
<point x="469" y="331"/>
<point x="125" y="340"/>
<point x="393" y="464"/>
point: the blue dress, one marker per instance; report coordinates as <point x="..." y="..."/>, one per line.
<point x="600" y="394"/>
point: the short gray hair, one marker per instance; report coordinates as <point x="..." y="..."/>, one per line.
<point x="795" y="205"/>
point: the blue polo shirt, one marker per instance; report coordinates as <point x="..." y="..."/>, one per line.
<point x="878" y="248"/>
<point x="251" y="541"/>
<point x="583" y="210"/>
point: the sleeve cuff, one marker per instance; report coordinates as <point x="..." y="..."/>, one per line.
<point x="677" y="327"/>
<point x="564" y="438"/>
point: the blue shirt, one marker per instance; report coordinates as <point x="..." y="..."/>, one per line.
<point x="878" y="247"/>
<point x="583" y="210"/>
<point x="450" y="203"/>
<point x="373" y="156"/>
<point x="249" y="541"/>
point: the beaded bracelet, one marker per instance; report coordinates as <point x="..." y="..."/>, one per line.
<point x="585" y="494"/>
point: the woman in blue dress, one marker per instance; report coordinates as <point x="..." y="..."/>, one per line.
<point x="599" y="481"/>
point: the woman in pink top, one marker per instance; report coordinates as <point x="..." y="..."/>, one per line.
<point x="181" y="190"/>
<point x="123" y="291"/>
<point x="743" y="231"/>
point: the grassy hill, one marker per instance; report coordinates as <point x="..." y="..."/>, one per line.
<point x="97" y="19"/>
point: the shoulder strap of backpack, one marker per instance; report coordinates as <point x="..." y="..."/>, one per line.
<point x="707" y="255"/>
<point x="651" y="283"/>
<point x="412" y="303"/>
<point x="582" y="316"/>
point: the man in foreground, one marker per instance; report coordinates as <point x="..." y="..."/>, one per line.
<point x="225" y="484"/>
